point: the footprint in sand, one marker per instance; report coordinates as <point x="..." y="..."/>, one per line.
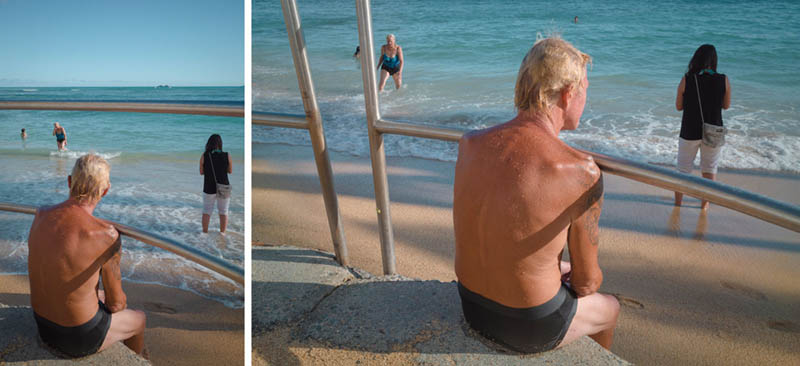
<point x="627" y="301"/>
<point x="784" y="326"/>
<point x="159" y="308"/>
<point x="744" y="290"/>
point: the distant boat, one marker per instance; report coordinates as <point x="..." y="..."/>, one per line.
<point x="165" y="86"/>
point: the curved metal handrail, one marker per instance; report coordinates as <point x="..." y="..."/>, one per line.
<point x="215" y="264"/>
<point x="140" y="107"/>
<point x="753" y="204"/>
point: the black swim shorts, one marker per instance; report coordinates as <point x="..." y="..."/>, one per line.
<point x="78" y="341"/>
<point x="529" y="330"/>
<point x="391" y="70"/>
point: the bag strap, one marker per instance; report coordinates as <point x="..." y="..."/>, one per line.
<point x="699" y="102"/>
<point x="211" y="161"/>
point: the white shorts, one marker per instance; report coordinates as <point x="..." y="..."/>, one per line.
<point x="687" y="151"/>
<point x="208" y="204"/>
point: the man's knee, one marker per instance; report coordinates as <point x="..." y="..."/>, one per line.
<point x="611" y="307"/>
<point x="140" y="320"/>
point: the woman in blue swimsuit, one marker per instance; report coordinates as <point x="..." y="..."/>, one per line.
<point x="61" y="136"/>
<point x="391" y="65"/>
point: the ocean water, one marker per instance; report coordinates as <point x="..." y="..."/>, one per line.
<point x="462" y="58"/>
<point x="155" y="182"/>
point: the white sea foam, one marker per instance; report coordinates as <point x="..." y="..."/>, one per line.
<point x="69" y="154"/>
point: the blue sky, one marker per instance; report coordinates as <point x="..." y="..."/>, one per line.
<point x="121" y="43"/>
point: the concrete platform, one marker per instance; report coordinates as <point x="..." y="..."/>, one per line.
<point x="322" y="303"/>
<point x="20" y="344"/>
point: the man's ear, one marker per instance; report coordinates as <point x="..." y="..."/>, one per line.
<point x="566" y="96"/>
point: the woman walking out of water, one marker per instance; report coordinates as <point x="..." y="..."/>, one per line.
<point x="702" y="94"/>
<point x="61" y="136"/>
<point x="215" y="165"/>
<point x="391" y="63"/>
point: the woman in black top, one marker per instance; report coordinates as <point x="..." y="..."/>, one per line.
<point x="215" y="162"/>
<point x="715" y="94"/>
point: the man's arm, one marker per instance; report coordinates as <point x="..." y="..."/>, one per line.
<point x="202" y="160"/>
<point x="679" y="98"/>
<point x="583" y="237"/>
<point x="230" y="164"/>
<point x="112" y="278"/>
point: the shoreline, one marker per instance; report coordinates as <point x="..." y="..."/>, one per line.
<point x="684" y="278"/>
<point x="183" y="328"/>
<point x="743" y="171"/>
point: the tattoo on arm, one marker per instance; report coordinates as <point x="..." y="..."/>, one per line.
<point x="113" y="262"/>
<point x="113" y="267"/>
<point x="593" y="210"/>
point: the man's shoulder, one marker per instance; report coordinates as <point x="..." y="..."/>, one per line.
<point x="66" y="217"/>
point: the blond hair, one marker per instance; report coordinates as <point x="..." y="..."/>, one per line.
<point x="551" y="65"/>
<point x="90" y="178"/>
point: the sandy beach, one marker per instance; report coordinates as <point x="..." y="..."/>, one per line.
<point x="715" y="288"/>
<point x="182" y="328"/>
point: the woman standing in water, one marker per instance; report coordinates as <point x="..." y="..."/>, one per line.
<point x="215" y="165"/>
<point x="61" y="136"/>
<point x="391" y="63"/>
<point x="715" y="94"/>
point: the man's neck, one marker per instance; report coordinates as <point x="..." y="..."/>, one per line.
<point x="88" y="207"/>
<point x="551" y="122"/>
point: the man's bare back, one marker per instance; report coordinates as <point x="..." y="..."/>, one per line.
<point x="67" y="247"/>
<point x="512" y="201"/>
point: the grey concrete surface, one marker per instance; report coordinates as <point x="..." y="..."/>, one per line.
<point x="327" y="304"/>
<point x="20" y="344"/>
<point x="290" y="281"/>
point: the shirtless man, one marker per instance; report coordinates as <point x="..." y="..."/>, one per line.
<point x="68" y="251"/>
<point x="520" y="195"/>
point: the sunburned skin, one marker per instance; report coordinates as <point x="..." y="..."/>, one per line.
<point x="67" y="248"/>
<point x="513" y="220"/>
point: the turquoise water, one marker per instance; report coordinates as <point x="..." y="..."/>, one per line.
<point x="155" y="182"/>
<point x="462" y="58"/>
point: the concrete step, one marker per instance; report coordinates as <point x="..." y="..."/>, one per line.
<point x="20" y="344"/>
<point x="343" y="308"/>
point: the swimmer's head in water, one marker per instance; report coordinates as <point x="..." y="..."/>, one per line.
<point x="704" y="58"/>
<point x="89" y="179"/>
<point x="550" y="66"/>
<point x="214" y="143"/>
<point x="23" y="130"/>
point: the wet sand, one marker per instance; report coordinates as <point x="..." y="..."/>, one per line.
<point x="718" y="288"/>
<point x="182" y="328"/>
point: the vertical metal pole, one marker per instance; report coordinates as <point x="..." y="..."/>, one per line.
<point x="376" y="151"/>
<point x="298" y="45"/>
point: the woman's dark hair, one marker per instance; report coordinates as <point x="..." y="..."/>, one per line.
<point x="214" y="143"/>
<point x="704" y="58"/>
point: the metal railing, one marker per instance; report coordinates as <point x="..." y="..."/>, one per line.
<point x="753" y="204"/>
<point x="215" y="264"/>
<point x="312" y="121"/>
<point x="170" y="108"/>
